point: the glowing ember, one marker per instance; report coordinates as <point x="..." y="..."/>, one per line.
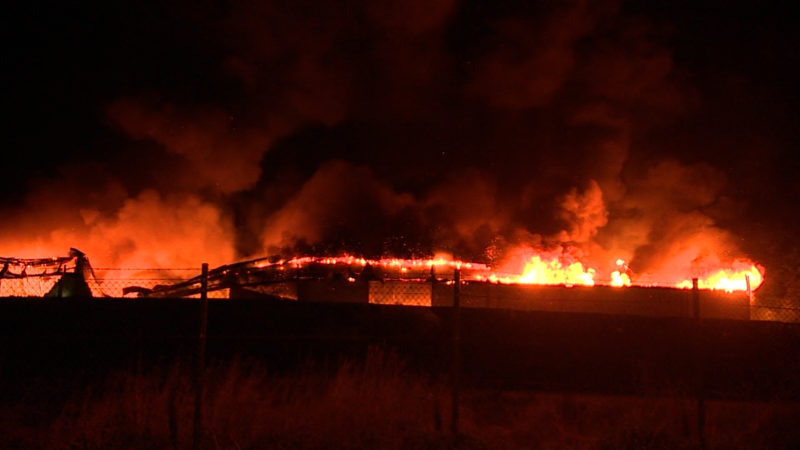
<point x="403" y="265"/>
<point x="544" y="268"/>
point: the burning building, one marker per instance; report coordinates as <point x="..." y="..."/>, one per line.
<point x="556" y="144"/>
<point x="431" y="283"/>
<point x="542" y="285"/>
<point x="46" y="277"/>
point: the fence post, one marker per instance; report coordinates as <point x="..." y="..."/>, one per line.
<point x="200" y="360"/>
<point x="749" y="297"/>
<point x="699" y="356"/>
<point x="63" y="271"/>
<point x="456" y="369"/>
<point x="747" y="282"/>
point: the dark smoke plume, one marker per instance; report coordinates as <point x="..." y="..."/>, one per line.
<point x="395" y="128"/>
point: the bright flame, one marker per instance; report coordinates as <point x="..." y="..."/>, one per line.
<point x="527" y="266"/>
<point x="524" y="266"/>
<point x="538" y="271"/>
<point x="404" y="265"/>
<point x="619" y="279"/>
<point x="733" y="279"/>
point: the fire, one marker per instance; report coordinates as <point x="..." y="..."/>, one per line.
<point x="547" y="272"/>
<point x="404" y="265"/>
<point x="620" y="277"/>
<point x="742" y="276"/>
<point x="538" y="271"/>
<point x="564" y="267"/>
<point x="527" y="266"/>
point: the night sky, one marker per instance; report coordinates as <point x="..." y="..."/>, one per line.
<point x="405" y="127"/>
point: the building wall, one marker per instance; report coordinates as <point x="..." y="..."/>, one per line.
<point x="660" y="302"/>
<point x="641" y="301"/>
<point x="332" y="290"/>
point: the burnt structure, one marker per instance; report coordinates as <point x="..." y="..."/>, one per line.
<point x="60" y="276"/>
<point x="357" y="281"/>
<point x="320" y="281"/>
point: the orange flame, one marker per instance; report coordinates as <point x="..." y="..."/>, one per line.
<point x="528" y="266"/>
<point x="547" y="272"/>
<point x="620" y="277"/>
<point x="730" y="279"/>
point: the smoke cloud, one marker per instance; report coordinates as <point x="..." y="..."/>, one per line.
<point x="396" y="128"/>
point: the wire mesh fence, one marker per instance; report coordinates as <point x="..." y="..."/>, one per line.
<point x="27" y="286"/>
<point x="103" y="282"/>
<point x="398" y="292"/>
<point x="775" y="313"/>
<point x="414" y="290"/>
<point x="110" y="282"/>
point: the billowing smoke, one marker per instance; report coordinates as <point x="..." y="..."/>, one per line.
<point x="214" y="152"/>
<point x="146" y="231"/>
<point x="396" y="128"/>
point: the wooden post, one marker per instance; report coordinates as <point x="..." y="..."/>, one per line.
<point x="200" y="361"/>
<point x="699" y="355"/>
<point x="456" y="369"/>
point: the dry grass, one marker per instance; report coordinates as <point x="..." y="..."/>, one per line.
<point x="549" y="420"/>
<point x="378" y="404"/>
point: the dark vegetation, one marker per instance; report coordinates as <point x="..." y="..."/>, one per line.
<point x="118" y="373"/>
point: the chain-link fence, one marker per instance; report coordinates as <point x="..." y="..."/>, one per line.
<point x="103" y="282"/>
<point x="398" y="292"/>
<point x="112" y="282"/>
<point x="416" y="288"/>
<point x="27" y="286"/>
<point x="775" y="312"/>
